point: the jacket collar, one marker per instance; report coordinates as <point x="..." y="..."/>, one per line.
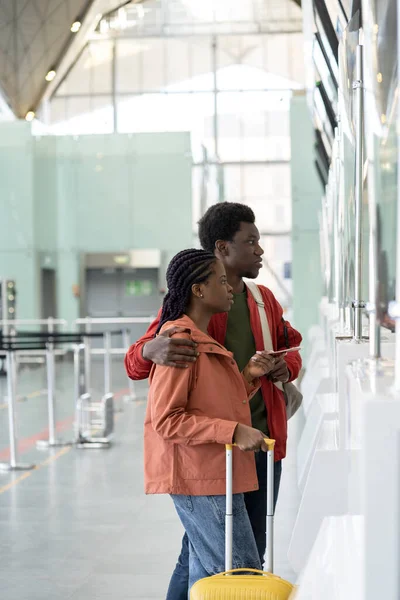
<point x="204" y="341"/>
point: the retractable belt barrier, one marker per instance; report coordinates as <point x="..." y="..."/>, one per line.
<point x="9" y="351"/>
<point x="62" y="335"/>
<point x="46" y="342"/>
<point x="89" y="322"/>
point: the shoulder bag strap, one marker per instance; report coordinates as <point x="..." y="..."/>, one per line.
<point x="285" y="333"/>
<point x="255" y="292"/>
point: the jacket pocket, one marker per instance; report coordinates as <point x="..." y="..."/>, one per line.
<point x="203" y="462"/>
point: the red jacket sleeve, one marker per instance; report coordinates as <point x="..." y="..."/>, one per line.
<point x="135" y="365"/>
<point x="291" y="338"/>
<point x="292" y="359"/>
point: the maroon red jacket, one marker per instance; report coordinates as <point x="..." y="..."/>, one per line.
<point x="139" y="368"/>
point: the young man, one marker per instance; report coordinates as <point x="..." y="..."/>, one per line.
<point x="228" y="229"/>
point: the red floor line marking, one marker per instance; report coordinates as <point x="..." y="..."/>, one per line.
<point x="29" y="442"/>
<point x="122" y="392"/>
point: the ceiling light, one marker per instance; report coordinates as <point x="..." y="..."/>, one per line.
<point x="75" y="27"/>
<point x="50" y="75"/>
<point x="30" y="115"/>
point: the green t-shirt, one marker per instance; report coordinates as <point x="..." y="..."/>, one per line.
<point x="240" y="341"/>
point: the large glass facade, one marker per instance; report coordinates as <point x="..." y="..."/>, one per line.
<point x="224" y="71"/>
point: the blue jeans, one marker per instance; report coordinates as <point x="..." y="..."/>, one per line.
<point x="203" y="518"/>
<point x="256" y="505"/>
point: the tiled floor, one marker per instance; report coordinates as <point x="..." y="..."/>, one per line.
<point x="79" y="527"/>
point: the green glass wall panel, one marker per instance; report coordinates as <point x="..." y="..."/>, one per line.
<point x="68" y="273"/>
<point x="45" y="193"/>
<point x="95" y="172"/>
<point x="17" y="235"/>
<point x="166" y="186"/>
<point x="16" y="191"/>
<point x="306" y="202"/>
<point x="65" y="196"/>
<point x="114" y="194"/>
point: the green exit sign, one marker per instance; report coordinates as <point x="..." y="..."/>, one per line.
<point x="139" y="288"/>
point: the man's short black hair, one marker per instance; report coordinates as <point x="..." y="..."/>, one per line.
<point x="221" y="222"/>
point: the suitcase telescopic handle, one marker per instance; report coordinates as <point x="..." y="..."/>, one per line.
<point x="270" y="506"/>
<point x="269" y="442"/>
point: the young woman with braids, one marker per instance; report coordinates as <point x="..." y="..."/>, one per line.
<point x="193" y="412"/>
<point x="228" y="231"/>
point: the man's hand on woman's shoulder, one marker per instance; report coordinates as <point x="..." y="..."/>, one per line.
<point x="170" y="351"/>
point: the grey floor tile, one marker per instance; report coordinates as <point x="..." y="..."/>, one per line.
<point x="104" y="587"/>
<point x="81" y="528"/>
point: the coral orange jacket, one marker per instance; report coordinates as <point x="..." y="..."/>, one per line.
<point x="191" y="413"/>
<point x="139" y="368"/>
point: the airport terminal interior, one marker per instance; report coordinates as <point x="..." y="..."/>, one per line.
<point x="122" y="122"/>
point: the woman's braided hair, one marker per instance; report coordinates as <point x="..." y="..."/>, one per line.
<point x="185" y="269"/>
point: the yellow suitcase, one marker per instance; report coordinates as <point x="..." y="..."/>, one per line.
<point x="237" y="584"/>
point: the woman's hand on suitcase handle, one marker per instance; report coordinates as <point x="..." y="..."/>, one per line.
<point x="249" y="439"/>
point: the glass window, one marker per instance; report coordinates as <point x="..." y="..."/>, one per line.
<point x="129" y="73"/>
<point x="92" y="72"/>
<point x="77" y="81"/>
<point x="197" y="193"/>
<point x="253" y="126"/>
<point x="154" y="64"/>
<point x="178" y="62"/>
<point x="98" y="66"/>
<point x="241" y="50"/>
<point x="201" y="63"/>
<point x="261" y="186"/>
<point x="84" y="115"/>
<point x="232" y="176"/>
<point x="167" y="112"/>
